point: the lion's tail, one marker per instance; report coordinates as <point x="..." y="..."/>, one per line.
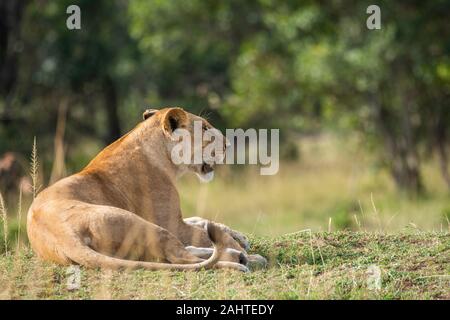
<point x="86" y="256"/>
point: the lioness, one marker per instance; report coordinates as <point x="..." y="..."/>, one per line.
<point x="123" y="209"/>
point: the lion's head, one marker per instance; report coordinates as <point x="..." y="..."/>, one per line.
<point x="191" y="142"/>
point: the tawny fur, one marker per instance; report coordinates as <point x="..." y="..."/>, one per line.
<point x="123" y="209"/>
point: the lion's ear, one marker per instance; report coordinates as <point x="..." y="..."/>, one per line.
<point x="148" y="113"/>
<point x="173" y="119"/>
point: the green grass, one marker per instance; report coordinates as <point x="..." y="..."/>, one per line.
<point x="303" y="265"/>
<point x="357" y="217"/>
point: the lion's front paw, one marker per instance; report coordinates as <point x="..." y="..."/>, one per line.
<point x="256" y="262"/>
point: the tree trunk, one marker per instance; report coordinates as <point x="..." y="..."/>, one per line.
<point x="400" y="149"/>
<point x="111" y="109"/>
<point x="11" y="12"/>
<point x="443" y="159"/>
<point x="59" y="164"/>
<point x="441" y="139"/>
<point x="408" y="139"/>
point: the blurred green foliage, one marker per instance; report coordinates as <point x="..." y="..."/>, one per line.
<point x="302" y="66"/>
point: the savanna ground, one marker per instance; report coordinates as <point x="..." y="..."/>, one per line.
<point x="328" y="223"/>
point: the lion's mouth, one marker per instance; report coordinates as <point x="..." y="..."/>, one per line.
<point x="206" y="168"/>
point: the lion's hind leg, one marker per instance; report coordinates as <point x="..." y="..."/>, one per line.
<point x="122" y="234"/>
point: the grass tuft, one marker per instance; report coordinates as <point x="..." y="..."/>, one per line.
<point x="302" y="265"/>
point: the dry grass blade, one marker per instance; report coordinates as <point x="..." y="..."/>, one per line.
<point x="377" y="214"/>
<point x="4" y="216"/>
<point x="19" y="217"/>
<point x="34" y="169"/>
